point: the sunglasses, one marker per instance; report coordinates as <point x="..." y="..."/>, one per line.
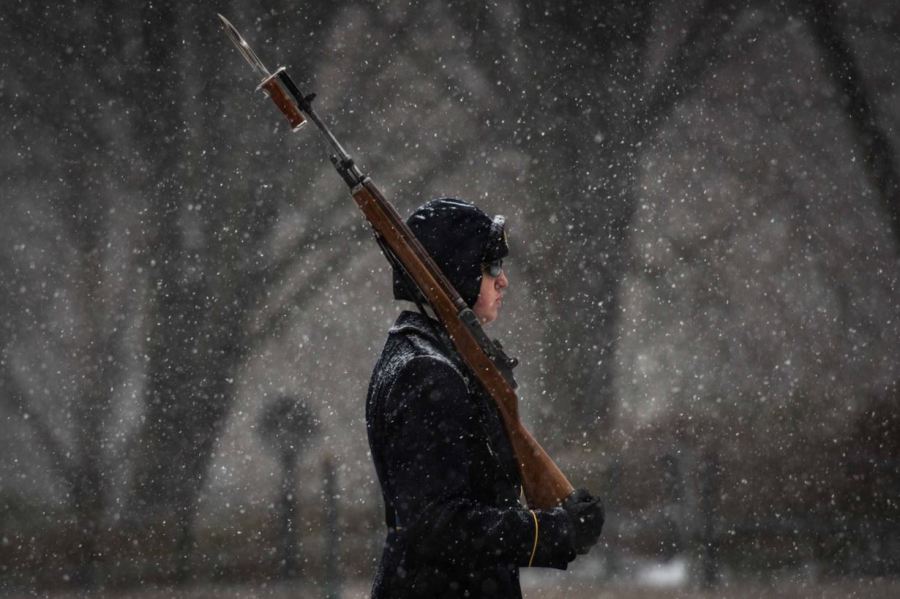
<point x="494" y="268"/>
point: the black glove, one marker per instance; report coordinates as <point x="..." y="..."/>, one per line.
<point x="587" y="515"/>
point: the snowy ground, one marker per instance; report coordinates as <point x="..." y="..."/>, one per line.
<point x="635" y="577"/>
<point x="869" y="588"/>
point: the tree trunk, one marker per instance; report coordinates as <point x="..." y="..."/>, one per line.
<point x="587" y="182"/>
<point x="875" y="145"/>
<point x="607" y="111"/>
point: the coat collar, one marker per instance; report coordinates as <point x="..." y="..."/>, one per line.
<point x="430" y="329"/>
<point x="419" y="324"/>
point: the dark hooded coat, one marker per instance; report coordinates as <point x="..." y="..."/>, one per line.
<point x="448" y="477"/>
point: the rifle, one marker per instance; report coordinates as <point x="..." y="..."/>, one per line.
<point x="544" y="483"/>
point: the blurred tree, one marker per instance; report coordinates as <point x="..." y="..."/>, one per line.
<point x="331" y="493"/>
<point x="147" y="192"/>
<point x="67" y="303"/>
<point x="219" y="283"/>
<point x="839" y="60"/>
<point x="288" y="426"/>
<point x="763" y="299"/>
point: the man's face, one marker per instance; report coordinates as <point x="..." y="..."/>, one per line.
<point x="487" y="306"/>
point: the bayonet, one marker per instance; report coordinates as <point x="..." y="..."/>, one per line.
<point x="272" y="83"/>
<point x="278" y="85"/>
<point x="245" y="49"/>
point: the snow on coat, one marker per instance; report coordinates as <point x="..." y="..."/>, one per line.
<point x="448" y="477"/>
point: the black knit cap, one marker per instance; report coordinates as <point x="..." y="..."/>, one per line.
<point x="460" y="238"/>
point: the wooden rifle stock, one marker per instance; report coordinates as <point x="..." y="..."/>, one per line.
<point x="544" y="483"/>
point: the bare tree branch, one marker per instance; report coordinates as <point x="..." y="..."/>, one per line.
<point x="324" y="272"/>
<point x="702" y="50"/>
<point x="16" y="398"/>
<point x="878" y="152"/>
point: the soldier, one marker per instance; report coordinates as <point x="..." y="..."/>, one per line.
<point x="447" y="471"/>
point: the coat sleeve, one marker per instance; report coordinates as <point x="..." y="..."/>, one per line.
<point x="431" y="426"/>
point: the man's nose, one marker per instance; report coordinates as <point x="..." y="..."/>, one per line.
<point x="502" y="281"/>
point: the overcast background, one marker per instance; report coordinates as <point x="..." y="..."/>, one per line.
<point x="704" y="212"/>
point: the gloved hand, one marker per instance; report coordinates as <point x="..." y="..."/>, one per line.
<point x="587" y="515"/>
